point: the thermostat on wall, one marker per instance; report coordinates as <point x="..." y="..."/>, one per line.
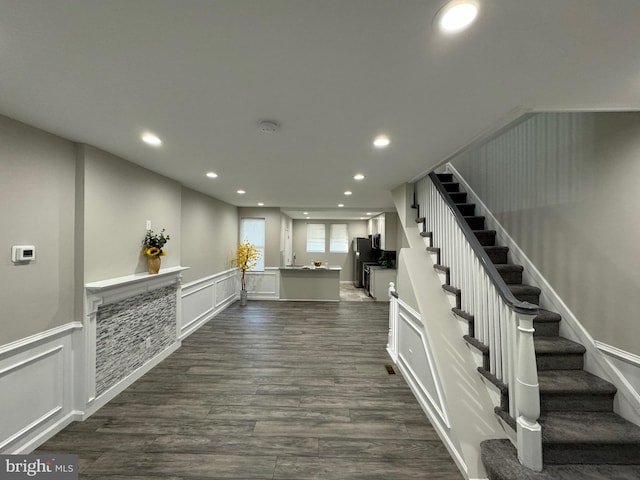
<point x="23" y="253"/>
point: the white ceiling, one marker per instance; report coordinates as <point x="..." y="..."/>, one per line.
<point x="334" y="73"/>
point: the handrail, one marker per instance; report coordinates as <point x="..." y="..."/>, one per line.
<point x="503" y="290"/>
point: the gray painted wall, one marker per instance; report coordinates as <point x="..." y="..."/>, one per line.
<point x="37" y="195"/>
<point x="85" y="211"/>
<point x="119" y="198"/>
<point x="208" y="240"/>
<point x="356" y="228"/>
<point x="565" y="186"/>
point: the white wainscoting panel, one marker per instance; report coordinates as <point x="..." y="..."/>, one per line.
<point x="416" y="359"/>
<point x="264" y="285"/>
<point x="36" y="388"/>
<point x="205" y="298"/>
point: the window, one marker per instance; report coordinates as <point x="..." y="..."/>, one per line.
<point x="315" y="237"/>
<point x="253" y="230"/>
<point x="339" y="238"/>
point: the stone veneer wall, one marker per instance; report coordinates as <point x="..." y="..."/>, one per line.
<point x="122" y="329"/>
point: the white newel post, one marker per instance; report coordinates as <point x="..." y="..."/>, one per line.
<point x="527" y="391"/>
<point x="392" y="341"/>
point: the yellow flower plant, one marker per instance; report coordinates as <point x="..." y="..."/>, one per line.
<point x="246" y="258"/>
<point x="153" y="243"/>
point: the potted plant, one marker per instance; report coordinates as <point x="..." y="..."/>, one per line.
<point x="152" y="248"/>
<point x="246" y="258"/>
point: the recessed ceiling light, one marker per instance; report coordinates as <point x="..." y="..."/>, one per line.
<point x="348" y="192"/>
<point x="369" y="213"/>
<point x="212" y="175"/>
<point x="381" y="141"/>
<point x="307" y="218"/>
<point x="358" y="176"/>
<point x="151" y="139"/>
<point x="260" y="204"/>
<point x="341" y="205"/>
<point x="457" y="15"/>
<point x="241" y="192"/>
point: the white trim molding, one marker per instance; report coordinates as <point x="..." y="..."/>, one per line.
<point x="37" y="388"/>
<point x="203" y="299"/>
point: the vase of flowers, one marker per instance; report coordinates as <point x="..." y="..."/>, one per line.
<point x="152" y="248"/>
<point x="246" y="258"/>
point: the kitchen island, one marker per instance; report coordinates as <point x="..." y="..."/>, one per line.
<point x="310" y="283"/>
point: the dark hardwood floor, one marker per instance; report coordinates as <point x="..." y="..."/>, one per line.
<point x="273" y="390"/>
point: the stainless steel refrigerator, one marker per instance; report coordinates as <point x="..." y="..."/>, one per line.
<point x="362" y="252"/>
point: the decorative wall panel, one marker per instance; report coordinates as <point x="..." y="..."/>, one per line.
<point x="131" y="332"/>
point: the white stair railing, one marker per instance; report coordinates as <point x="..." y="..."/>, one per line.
<point x="502" y="322"/>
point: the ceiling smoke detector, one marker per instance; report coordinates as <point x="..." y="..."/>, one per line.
<point x="268" y="126"/>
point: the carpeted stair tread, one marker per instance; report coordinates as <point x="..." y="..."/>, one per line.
<point x="487" y="238"/>
<point x="497" y="254"/>
<point x="426" y="234"/>
<point x="546" y="324"/>
<point x="466" y="208"/>
<point x="526" y="293"/>
<point x="451" y="186"/>
<point x="420" y="219"/>
<point x="445" y="177"/>
<point x="501" y="461"/>
<point x="589" y="428"/>
<point x="573" y="382"/>
<point x="511" y="274"/>
<point x="589" y="438"/>
<point x="574" y="391"/>
<point x="475" y="222"/>
<point x="557" y="353"/>
<point x="547" y="316"/>
<point x="458" y="197"/>
<point x="556" y="345"/>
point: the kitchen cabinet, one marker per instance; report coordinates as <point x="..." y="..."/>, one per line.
<point x="379" y="287"/>
<point x="385" y="225"/>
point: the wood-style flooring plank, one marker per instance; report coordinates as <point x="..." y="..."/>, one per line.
<point x="274" y="390"/>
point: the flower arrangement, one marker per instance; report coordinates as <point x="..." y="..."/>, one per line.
<point x="153" y="243"/>
<point x="246" y="258"/>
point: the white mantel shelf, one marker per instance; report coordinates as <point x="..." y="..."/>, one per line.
<point x="131" y="279"/>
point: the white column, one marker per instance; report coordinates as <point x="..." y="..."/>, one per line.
<point x="527" y="392"/>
